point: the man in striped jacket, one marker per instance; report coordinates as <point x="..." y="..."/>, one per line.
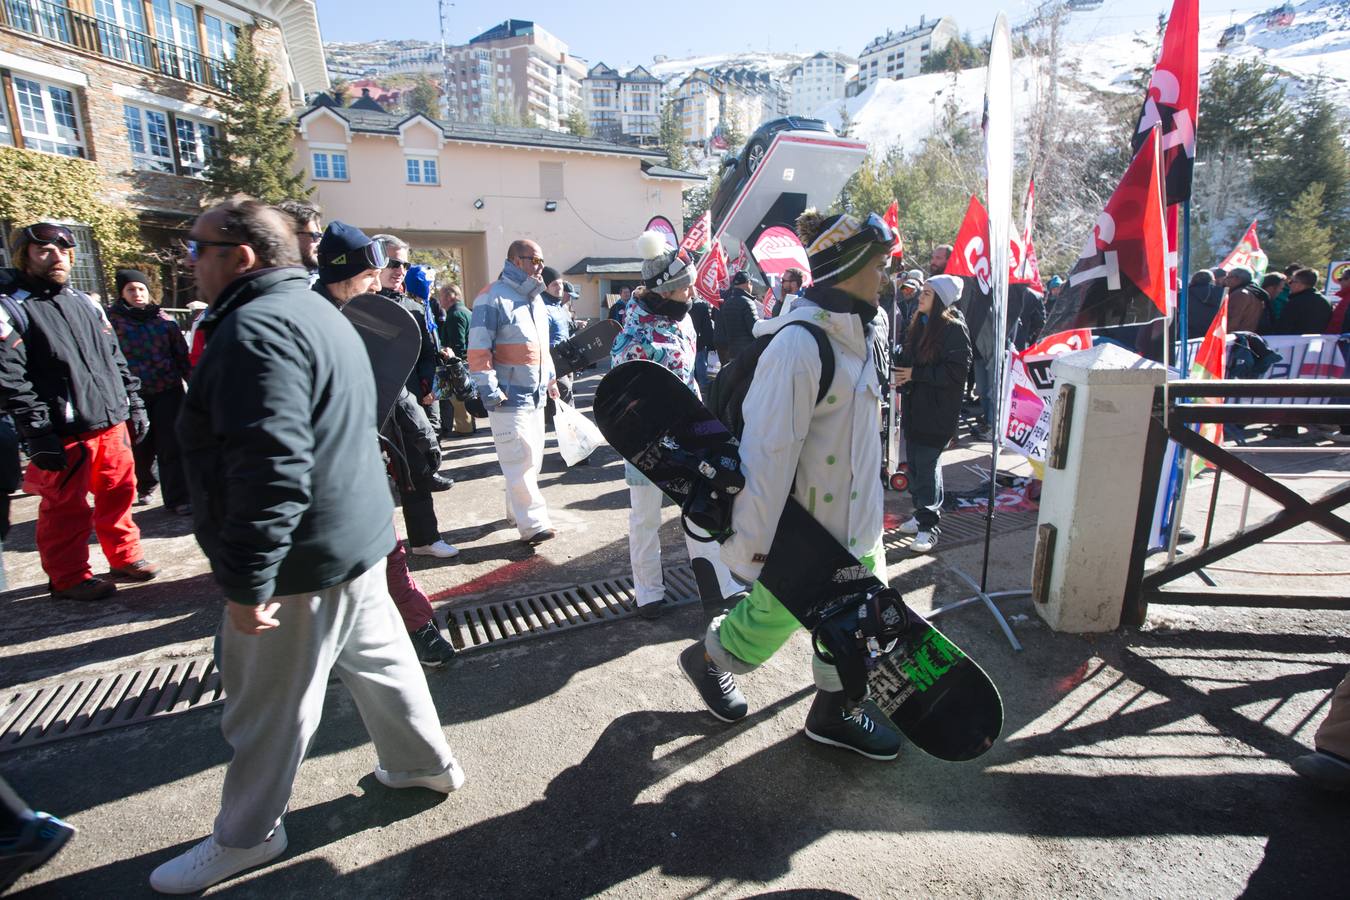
<point x="509" y="358"/>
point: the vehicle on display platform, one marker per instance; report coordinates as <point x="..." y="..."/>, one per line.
<point x="737" y="169"/>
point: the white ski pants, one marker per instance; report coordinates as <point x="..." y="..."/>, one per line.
<point x="644" y="542"/>
<point x="519" y="436"/>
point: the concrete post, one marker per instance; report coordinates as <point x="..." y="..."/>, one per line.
<point x="1091" y="500"/>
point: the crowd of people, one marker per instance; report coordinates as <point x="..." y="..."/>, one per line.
<point x="291" y="484"/>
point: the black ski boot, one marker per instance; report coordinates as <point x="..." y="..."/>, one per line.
<point x="717" y="687"/>
<point x="862" y="729"/>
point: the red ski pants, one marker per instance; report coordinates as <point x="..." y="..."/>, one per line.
<point x="98" y="463"/>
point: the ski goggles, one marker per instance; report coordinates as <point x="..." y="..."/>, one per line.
<point x="47" y="233"/>
<point x="838" y="251"/>
<point x="371" y="255"/>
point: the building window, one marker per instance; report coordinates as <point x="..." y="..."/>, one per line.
<point x="421" y="170"/>
<point x="122" y="32"/>
<point x="195" y="145"/>
<point x="330" y="166"/>
<point x="49" y="117"/>
<point x="221" y="37"/>
<point x="148" y="136"/>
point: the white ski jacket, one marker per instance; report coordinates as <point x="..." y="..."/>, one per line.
<point x="833" y="450"/>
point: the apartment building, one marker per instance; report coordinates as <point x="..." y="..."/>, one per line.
<point x="709" y="101"/>
<point x="623" y="107"/>
<point x="901" y="54"/>
<point x="819" y="81"/>
<point x="515" y="68"/>
<point x="466" y="190"/>
<point x="131" y="86"/>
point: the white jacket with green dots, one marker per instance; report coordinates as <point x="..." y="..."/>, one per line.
<point x="832" y="449"/>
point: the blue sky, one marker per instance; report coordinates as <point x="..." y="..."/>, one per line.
<point x="629" y="33"/>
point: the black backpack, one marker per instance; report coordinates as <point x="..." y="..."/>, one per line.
<point x="726" y="396"/>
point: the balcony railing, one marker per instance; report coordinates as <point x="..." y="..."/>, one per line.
<point x="110" y="40"/>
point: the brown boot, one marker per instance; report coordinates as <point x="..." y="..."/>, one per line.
<point x="89" y="589"/>
<point x="140" y="570"/>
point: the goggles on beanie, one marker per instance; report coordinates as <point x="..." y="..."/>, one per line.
<point x="47" y="233"/>
<point x="371" y="254"/>
<point x="840" y="250"/>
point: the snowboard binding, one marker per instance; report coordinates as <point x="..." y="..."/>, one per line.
<point x="708" y="504"/>
<point x="855" y="634"/>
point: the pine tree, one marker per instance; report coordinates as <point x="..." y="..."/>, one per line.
<point x="576" y="123"/>
<point x="671" y="137"/>
<point x="845" y="121"/>
<point x="732" y="131"/>
<point x="340" y="90"/>
<point x="1300" y="235"/>
<point x="1310" y="151"/>
<point x="1241" y="107"/>
<point x="424" y="98"/>
<point x="254" y="155"/>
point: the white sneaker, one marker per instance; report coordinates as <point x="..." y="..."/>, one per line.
<point x="923" y="542"/>
<point x="447" y="781"/>
<point x="909" y="526"/>
<point x="209" y="863"/>
<point x="440" y="550"/>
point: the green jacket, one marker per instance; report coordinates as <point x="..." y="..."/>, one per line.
<point x="280" y="445"/>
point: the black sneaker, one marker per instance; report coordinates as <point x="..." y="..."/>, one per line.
<point x="37" y="841"/>
<point x="862" y="729"/>
<point x="433" y="651"/>
<point x="717" y="688"/>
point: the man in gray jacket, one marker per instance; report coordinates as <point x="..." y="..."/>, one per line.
<point x="293" y="512"/>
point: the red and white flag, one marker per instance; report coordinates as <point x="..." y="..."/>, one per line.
<point x="970" y="253"/>
<point x="712" y="275"/>
<point x="892" y="218"/>
<point x="696" y="238"/>
<point x="1172" y="101"/>
<point x="1026" y="269"/>
<point x="1248" y="253"/>
<point x="1208" y="366"/>
<point x="1121" y="277"/>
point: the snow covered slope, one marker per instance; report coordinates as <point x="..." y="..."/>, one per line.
<point x="889" y="113"/>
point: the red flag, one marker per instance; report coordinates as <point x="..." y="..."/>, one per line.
<point x="1173" y="98"/>
<point x="970" y="256"/>
<point x="892" y="218"/>
<point x="1026" y="269"/>
<point x="1208" y="364"/>
<point x="1248" y="253"/>
<point x="712" y="274"/>
<point x="1121" y="277"/>
<point x="696" y="238"/>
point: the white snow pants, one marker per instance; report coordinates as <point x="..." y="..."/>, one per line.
<point x="519" y="436"/>
<point x="275" y="683"/>
<point x="644" y="542"/>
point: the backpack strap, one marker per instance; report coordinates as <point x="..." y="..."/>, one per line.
<point x="826" y="356"/>
<point x="13" y="305"/>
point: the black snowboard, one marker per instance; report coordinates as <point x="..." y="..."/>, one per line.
<point x="935" y="694"/>
<point x="585" y="348"/>
<point x="393" y="341"/>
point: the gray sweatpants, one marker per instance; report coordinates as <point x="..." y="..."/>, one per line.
<point x="275" y="684"/>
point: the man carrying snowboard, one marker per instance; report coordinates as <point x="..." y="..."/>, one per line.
<point x="824" y="454"/>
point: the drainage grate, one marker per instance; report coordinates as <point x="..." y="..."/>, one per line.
<point x="84" y="705"/>
<point x="967" y="528"/>
<point x="80" y="706"/>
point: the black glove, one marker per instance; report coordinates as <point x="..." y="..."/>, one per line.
<point x="475" y="407"/>
<point x="47" y="452"/>
<point x="139" y="423"/>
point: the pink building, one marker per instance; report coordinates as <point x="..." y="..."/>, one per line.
<point x="470" y="189"/>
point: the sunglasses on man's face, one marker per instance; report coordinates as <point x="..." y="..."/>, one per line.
<point x="397" y="264"/>
<point x="47" y="233"/>
<point x="194" y="248"/>
<point x="533" y="260"/>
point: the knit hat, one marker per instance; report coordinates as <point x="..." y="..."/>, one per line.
<point x="664" y="270"/>
<point x="837" y="246"/>
<point x="946" y="288"/>
<point x="345" y="252"/>
<point x="549" y="275"/>
<point x="419" y="281"/>
<point x="130" y="276"/>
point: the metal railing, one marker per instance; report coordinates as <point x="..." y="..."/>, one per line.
<point x="108" y="39"/>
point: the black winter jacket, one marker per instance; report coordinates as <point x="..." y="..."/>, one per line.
<point x="735" y="324"/>
<point x="1307" y="312"/>
<point x="279" y="442"/>
<point x="704" y="317"/>
<point x="931" y="403"/>
<point x="61" y="370"/>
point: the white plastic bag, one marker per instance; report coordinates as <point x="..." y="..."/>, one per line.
<point x="577" y="435"/>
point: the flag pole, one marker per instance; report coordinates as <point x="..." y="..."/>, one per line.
<point x="1184" y="288"/>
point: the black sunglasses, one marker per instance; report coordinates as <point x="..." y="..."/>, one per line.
<point x="194" y="248"/>
<point x="397" y="264"/>
<point x="47" y="233"/>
